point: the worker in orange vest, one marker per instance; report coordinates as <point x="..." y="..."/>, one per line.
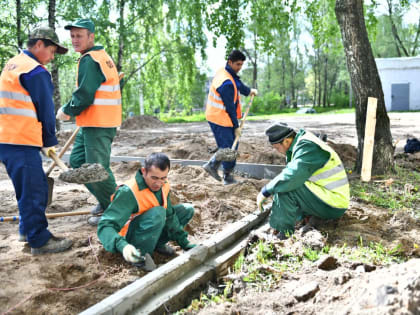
<point x="223" y="110"/>
<point x="27" y="126"/>
<point x="96" y="104"/>
<point x="141" y="218"/>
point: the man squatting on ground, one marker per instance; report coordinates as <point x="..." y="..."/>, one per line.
<point x="223" y="110"/>
<point x="96" y="103"/>
<point x="141" y="217"/>
<point x="27" y="124"/>
<point x="313" y="183"/>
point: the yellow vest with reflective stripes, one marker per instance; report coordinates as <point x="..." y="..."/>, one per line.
<point x="18" y="117"/>
<point x="215" y="109"/>
<point x="329" y="183"/>
<point x="146" y="200"/>
<point x="106" y="109"/>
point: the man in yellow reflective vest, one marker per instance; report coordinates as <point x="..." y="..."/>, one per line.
<point x="141" y="218"/>
<point x="313" y="183"/>
<point x="96" y="104"/>
<point x="223" y="110"/>
<point x="27" y="126"/>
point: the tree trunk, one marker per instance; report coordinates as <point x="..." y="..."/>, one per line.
<point x="54" y="67"/>
<point x="121" y="36"/>
<point x="365" y="83"/>
<point x="325" y="81"/>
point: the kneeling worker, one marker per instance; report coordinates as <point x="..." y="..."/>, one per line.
<point x="141" y="218"/>
<point x="313" y="183"/>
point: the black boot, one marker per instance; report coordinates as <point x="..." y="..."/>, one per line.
<point x="228" y="178"/>
<point x="211" y="168"/>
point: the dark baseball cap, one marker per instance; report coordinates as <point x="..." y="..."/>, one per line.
<point x="82" y="23"/>
<point x="45" y="32"/>
<point x="278" y="132"/>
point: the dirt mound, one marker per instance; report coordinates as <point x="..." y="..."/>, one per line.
<point x="346" y="152"/>
<point x="142" y="122"/>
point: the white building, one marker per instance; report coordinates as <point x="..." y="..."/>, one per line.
<point x="400" y="79"/>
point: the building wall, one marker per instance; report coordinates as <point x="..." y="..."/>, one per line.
<point x="400" y="70"/>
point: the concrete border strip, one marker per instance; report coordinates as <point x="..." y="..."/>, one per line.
<point x="260" y="171"/>
<point x="192" y="264"/>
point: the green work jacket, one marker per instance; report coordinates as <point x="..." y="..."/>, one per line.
<point x="89" y="78"/>
<point x="122" y="207"/>
<point x="308" y="157"/>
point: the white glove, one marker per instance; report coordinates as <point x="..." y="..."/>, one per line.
<point x="260" y="200"/>
<point x="61" y="115"/>
<point x="47" y="150"/>
<point x="131" y="254"/>
<point x="254" y="92"/>
<point x="237" y="132"/>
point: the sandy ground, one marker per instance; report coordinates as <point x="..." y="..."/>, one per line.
<point x="40" y="284"/>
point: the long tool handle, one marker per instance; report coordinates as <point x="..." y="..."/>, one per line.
<point x="57" y="161"/>
<point x="48" y="215"/>
<point x="243" y="121"/>
<point x="63" y="150"/>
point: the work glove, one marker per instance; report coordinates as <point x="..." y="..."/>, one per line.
<point x="237" y="132"/>
<point x="189" y="246"/>
<point x="260" y="200"/>
<point x="131" y="254"/>
<point x="47" y="150"/>
<point x="254" y="92"/>
<point x="61" y="115"/>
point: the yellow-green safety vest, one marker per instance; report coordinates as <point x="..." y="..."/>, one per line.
<point x="329" y="183"/>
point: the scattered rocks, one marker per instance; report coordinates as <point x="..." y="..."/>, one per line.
<point x="306" y="291"/>
<point x="327" y="263"/>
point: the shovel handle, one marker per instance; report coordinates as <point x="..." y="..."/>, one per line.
<point x="243" y="121"/>
<point x="48" y="215"/>
<point x="57" y="161"/>
<point x="63" y="150"/>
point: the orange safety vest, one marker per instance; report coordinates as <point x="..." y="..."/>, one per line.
<point x="18" y="117"/>
<point x="106" y="109"/>
<point x="215" y="109"/>
<point x="146" y="200"/>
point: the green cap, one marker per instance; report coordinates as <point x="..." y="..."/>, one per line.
<point x="45" y="32"/>
<point x="278" y="132"/>
<point x="82" y="23"/>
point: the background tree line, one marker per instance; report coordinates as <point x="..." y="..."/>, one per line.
<point x="299" y="52"/>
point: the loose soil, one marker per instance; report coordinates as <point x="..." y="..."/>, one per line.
<point x="38" y="284"/>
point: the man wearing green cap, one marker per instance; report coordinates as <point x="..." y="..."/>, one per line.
<point x="27" y="126"/>
<point x="96" y="104"/>
<point x="312" y="185"/>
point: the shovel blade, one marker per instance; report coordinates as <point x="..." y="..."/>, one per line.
<point x="50" y="182"/>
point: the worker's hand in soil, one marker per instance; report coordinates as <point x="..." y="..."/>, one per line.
<point x="61" y="115"/>
<point x="237" y="132"/>
<point x="189" y="246"/>
<point x="260" y="201"/>
<point x="254" y="92"/>
<point x="131" y="254"/>
<point x="47" y="150"/>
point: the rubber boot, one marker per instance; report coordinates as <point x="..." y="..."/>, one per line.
<point x="228" y="178"/>
<point x="212" y="166"/>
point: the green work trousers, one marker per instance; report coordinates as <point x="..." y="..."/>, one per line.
<point x="290" y="207"/>
<point x="93" y="145"/>
<point x="146" y="231"/>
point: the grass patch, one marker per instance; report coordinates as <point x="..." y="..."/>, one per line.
<point x="399" y="191"/>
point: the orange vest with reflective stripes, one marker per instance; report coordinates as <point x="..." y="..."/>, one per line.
<point x="146" y="200"/>
<point x="106" y="109"/>
<point x="215" y="109"/>
<point x="18" y="117"/>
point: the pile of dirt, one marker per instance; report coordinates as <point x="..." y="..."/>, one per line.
<point x="346" y="152"/>
<point x="142" y="122"/>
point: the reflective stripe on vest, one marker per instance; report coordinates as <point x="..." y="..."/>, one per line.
<point x="105" y="110"/>
<point x="215" y="109"/>
<point x="146" y="200"/>
<point x="18" y="117"/>
<point x="329" y="183"/>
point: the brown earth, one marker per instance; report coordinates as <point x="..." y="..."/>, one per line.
<point x="40" y="284"/>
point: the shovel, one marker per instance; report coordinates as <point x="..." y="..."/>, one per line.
<point x="50" y="180"/>
<point x="230" y="154"/>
